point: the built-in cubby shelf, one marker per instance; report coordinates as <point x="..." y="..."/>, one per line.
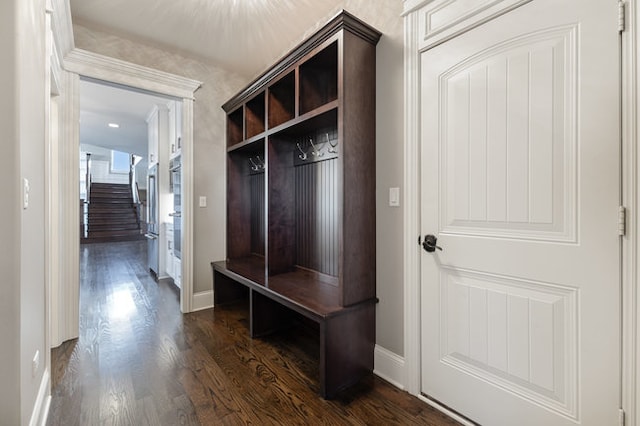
<point x="301" y="197"/>
<point x="286" y="100"/>
<point x="319" y="79"/>
<point x="254" y="113"/>
<point x="235" y="126"/>
<point x="282" y="100"/>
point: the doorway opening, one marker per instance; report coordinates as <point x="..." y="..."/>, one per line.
<point x="88" y="66"/>
<point x="130" y="141"/>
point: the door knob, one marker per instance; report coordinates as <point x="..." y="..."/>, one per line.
<point x="430" y="243"/>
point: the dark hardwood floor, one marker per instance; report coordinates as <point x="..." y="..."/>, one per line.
<point x="138" y="361"/>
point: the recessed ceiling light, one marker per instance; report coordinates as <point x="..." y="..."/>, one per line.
<point x="114" y="125"/>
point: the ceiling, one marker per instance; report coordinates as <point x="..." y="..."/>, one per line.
<point x="101" y="104"/>
<point x="244" y="36"/>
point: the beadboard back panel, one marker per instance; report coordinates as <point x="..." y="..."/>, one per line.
<point x="316" y="194"/>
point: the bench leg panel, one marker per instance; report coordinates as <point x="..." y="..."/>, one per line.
<point x="346" y="349"/>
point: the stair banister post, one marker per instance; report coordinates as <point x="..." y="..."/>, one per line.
<point x="88" y="178"/>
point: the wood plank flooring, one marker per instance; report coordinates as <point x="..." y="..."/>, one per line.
<point x="138" y="361"/>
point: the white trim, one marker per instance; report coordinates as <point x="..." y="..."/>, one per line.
<point x="447" y="411"/>
<point x="202" y="300"/>
<point x="630" y="187"/>
<point x="62" y="304"/>
<point x="43" y="401"/>
<point x="62" y="26"/>
<point x="113" y="70"/>
<point x="411" y="223"/>
<point x="413" y="5"/>
<point x="67" y="310"/>
<point x="55" y="67"/>
<point x="61" y="35"/>
<point x="187" y="298"/>
<point x="51" y="255"/>
<point x="451" y="23"/>
<point x="389" y="366"/>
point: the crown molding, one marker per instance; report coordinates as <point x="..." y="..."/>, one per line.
<point x="94" y="65"/>
<point x="61" y="26"/>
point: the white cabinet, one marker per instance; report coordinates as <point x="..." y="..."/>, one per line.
<point x="168" y="252"/>
<point x="158" y="143"/>
<point x="153" y="133"/>
<point x="164" y="123"/>
<point x="175" y="129"/>
<point x="173" y="265"/>
<point x="177" y="271"/>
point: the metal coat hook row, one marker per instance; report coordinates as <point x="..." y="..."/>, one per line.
<point x="316" y="151"/>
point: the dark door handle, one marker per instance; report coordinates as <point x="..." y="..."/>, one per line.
<point x="429" y="243"/>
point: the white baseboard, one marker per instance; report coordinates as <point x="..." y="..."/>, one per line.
<point x="202" y="300"/>
<point x="43" y="401"/>
<point x="389" y="366"/>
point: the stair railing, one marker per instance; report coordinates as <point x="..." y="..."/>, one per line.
<point x="132" y="176"/>
<point x="85" y="207"/>
<point x="133" y="183"/>
<point x="88" y="178"/>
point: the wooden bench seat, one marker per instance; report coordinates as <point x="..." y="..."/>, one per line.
<point x="346" y="335"/>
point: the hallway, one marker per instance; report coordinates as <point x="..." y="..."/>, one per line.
<point x="138" y="361"/>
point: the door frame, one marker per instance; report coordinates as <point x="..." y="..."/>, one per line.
<point x="630" y="198"/>
<point x="78" y="63"/>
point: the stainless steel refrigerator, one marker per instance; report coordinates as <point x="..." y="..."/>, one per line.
<point x="153" y="227"/>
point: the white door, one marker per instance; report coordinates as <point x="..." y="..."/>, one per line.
<point x="520" y="318"/>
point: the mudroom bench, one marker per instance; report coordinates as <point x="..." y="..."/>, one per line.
<point x="346" y="337"/>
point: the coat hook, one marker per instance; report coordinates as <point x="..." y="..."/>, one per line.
<point x="332" y="148"/>
<point x="254" y="166"/>
<point x="303" y="155"/>
<point x="315" y="151"/>
<point x="261" y="164"/>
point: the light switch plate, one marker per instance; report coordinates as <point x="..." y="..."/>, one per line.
<point x="203" y="201"/>
<point x="394" y="197"/>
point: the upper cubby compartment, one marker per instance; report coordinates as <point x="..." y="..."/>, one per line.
<point x="235" y="127"/>
<point x="282" y="100"/>
<point x="319" y="79"/>
<point x="255" y="115"/>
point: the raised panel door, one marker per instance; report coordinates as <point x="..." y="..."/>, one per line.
<point x="520" y="183"/>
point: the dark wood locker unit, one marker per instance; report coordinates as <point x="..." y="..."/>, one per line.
<point x="301" y="197"/>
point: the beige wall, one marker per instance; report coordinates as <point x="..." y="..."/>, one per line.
<point x="220" y="85"/>
<point x="10" y="223"/>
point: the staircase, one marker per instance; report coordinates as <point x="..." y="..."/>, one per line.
<point x="112" y="214"/>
